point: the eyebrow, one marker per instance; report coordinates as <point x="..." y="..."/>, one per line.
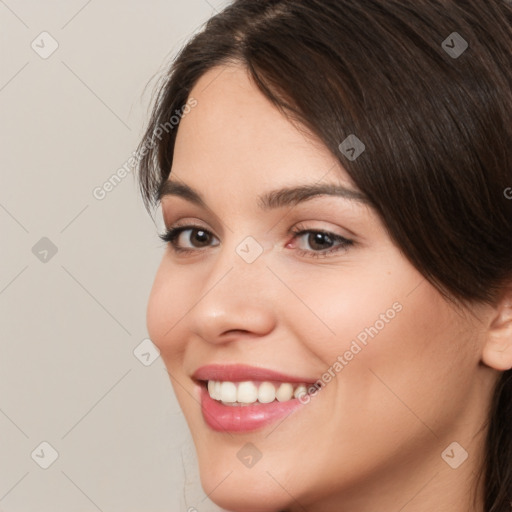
<point x="288" y="196"/>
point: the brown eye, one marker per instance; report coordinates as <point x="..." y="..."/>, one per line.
<point x="197" y="237"/>
<point x="319" y="241"/>
<point x="188" y="238"/>
<point x="319" y="244"/>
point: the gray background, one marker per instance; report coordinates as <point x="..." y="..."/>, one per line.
<point x="70" y="321"/>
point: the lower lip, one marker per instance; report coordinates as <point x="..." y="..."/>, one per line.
<point x="243" y="418"/>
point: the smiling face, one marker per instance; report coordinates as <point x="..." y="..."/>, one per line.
<point x="311" y="287"/>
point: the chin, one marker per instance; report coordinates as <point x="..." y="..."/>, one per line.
<point x="249" y="492"/>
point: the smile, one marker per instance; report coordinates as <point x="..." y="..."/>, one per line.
<point x="239" y="398"/>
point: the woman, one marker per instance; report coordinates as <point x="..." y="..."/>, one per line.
<point x="334" y="307"/>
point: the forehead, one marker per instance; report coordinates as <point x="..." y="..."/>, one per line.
<point x="236" y="136"/>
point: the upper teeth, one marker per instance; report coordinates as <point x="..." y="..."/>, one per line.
<point x="248" y="392"/>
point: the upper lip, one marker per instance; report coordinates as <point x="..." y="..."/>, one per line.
<point x="239" y="373"/>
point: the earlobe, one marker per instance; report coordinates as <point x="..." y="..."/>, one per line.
<point x="497" y="351"/>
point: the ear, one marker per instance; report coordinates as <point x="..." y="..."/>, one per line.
<point x="497" y="351"/>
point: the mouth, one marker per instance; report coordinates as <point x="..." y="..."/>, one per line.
<point x="237" y="398"/>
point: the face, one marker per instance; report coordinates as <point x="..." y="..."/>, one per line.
<point x="292" y="289"/>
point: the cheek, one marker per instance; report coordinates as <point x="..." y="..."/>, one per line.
<point x="169" y="302"/>
<point x="389" y="338"/>
<point x="416" y="366"/>
<point x="356" y="302"/>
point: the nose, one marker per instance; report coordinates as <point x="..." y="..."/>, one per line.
<point x="236" y="300"/>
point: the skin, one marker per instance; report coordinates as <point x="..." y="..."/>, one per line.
<point x="372" y="438"/>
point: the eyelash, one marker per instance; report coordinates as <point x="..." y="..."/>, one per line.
<point x="171" y="234"/>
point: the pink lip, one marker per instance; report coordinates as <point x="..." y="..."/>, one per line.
<point x="240" y="372"/>
<point x="243" y="418"/>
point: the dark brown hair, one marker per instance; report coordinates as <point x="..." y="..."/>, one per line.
<point x="426" y="85"/>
